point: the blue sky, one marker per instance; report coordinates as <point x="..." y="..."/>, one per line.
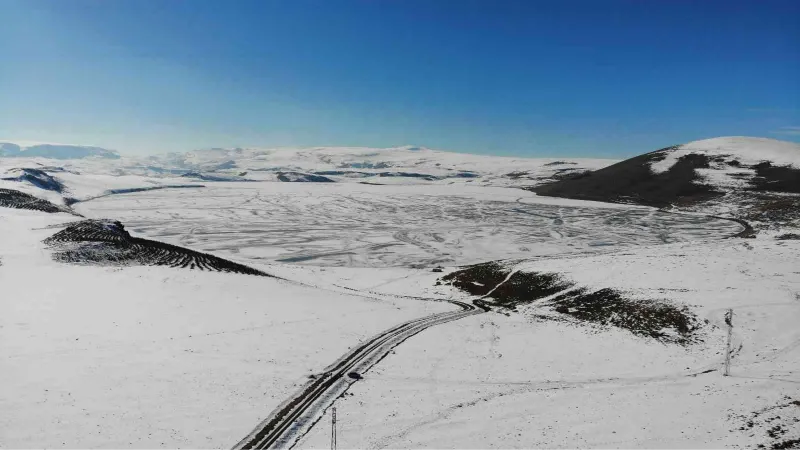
<point x="598" y="78"/>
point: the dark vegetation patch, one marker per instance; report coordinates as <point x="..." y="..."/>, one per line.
<point x="297" y="177"/>
<point x="525" y="287"/>
<point x="788" y="444"/>
<point x="775" y="178"/>
<point x="776" y="422"/>
<point x="659" y="320"/>
<point x="656" y="319"/>
<point x="788" y="237"/>
<point x="38" y="178"/>
<point x="346" y="173"/>
<point x="478" y="279"/>
<point x="106" y="242"/>
<point x="770" y="208"/>
<point x="633" y="181"/>
<point x="517" y="175"/>
<point x="10" y="198"/>
<point x="211" y="177"/>
<point x="423" y="176"/>
<point x="560" y="163"/>
<point x="569" y="174"/>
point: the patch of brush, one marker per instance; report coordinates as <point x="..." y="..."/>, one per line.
<point x="106" y="242"/>
<point x="10" y="198"/>
<point x="527" y="287"/>
<point x="780" y="423"/>
<point x="561" y="300"/>
<point x="657" y="319"/>
<point x="478" y="279"/>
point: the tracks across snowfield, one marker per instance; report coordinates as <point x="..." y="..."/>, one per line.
<point x="295" y="416"/>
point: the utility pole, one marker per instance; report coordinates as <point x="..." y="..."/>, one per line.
<point x="333" y="428"/>
<point x="729" y="323"/>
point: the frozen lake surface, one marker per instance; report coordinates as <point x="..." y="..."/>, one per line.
<point x="387" y="226"/>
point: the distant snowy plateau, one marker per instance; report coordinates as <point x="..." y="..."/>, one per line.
<point x="231" y="297"/>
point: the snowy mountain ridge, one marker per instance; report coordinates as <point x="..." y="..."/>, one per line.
<point x="55" y="151"/>
<point x="409" y="158"/>
<point x="744" y="150"/>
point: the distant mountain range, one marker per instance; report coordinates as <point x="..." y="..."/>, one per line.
<point x="55" y="151"/>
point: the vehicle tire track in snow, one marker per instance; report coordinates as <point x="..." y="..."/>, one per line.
<point x="298" y="414"/>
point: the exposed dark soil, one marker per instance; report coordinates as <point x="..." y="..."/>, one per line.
<point x="632" y="181"/>
<point x="659" y="320"/>
<point x="106" y="242"/>
<point x="10" y="198"/>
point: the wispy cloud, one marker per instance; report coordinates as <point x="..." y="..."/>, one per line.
<point x="792" y="131"/>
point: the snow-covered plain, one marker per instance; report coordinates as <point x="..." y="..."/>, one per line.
<point x="162" y="357"/>
<point x="519" y="382"/>
<point x="158" y="357"/>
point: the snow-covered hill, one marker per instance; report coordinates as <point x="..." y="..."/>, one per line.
<point x="736" y="162"/>
<point x="754" y="179"/>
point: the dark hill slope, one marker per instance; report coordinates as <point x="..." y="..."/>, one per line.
<point x="632" y="181"/>
<point x="696" y="173"/>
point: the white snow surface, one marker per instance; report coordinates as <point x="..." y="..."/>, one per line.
<point x="495" y="381"/>
<point x="160" y="357"/>
<point x="746" y="150"/>
<point x="157" y="357"/>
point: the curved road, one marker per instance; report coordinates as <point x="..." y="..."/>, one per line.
<point x="295" y="416"/>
